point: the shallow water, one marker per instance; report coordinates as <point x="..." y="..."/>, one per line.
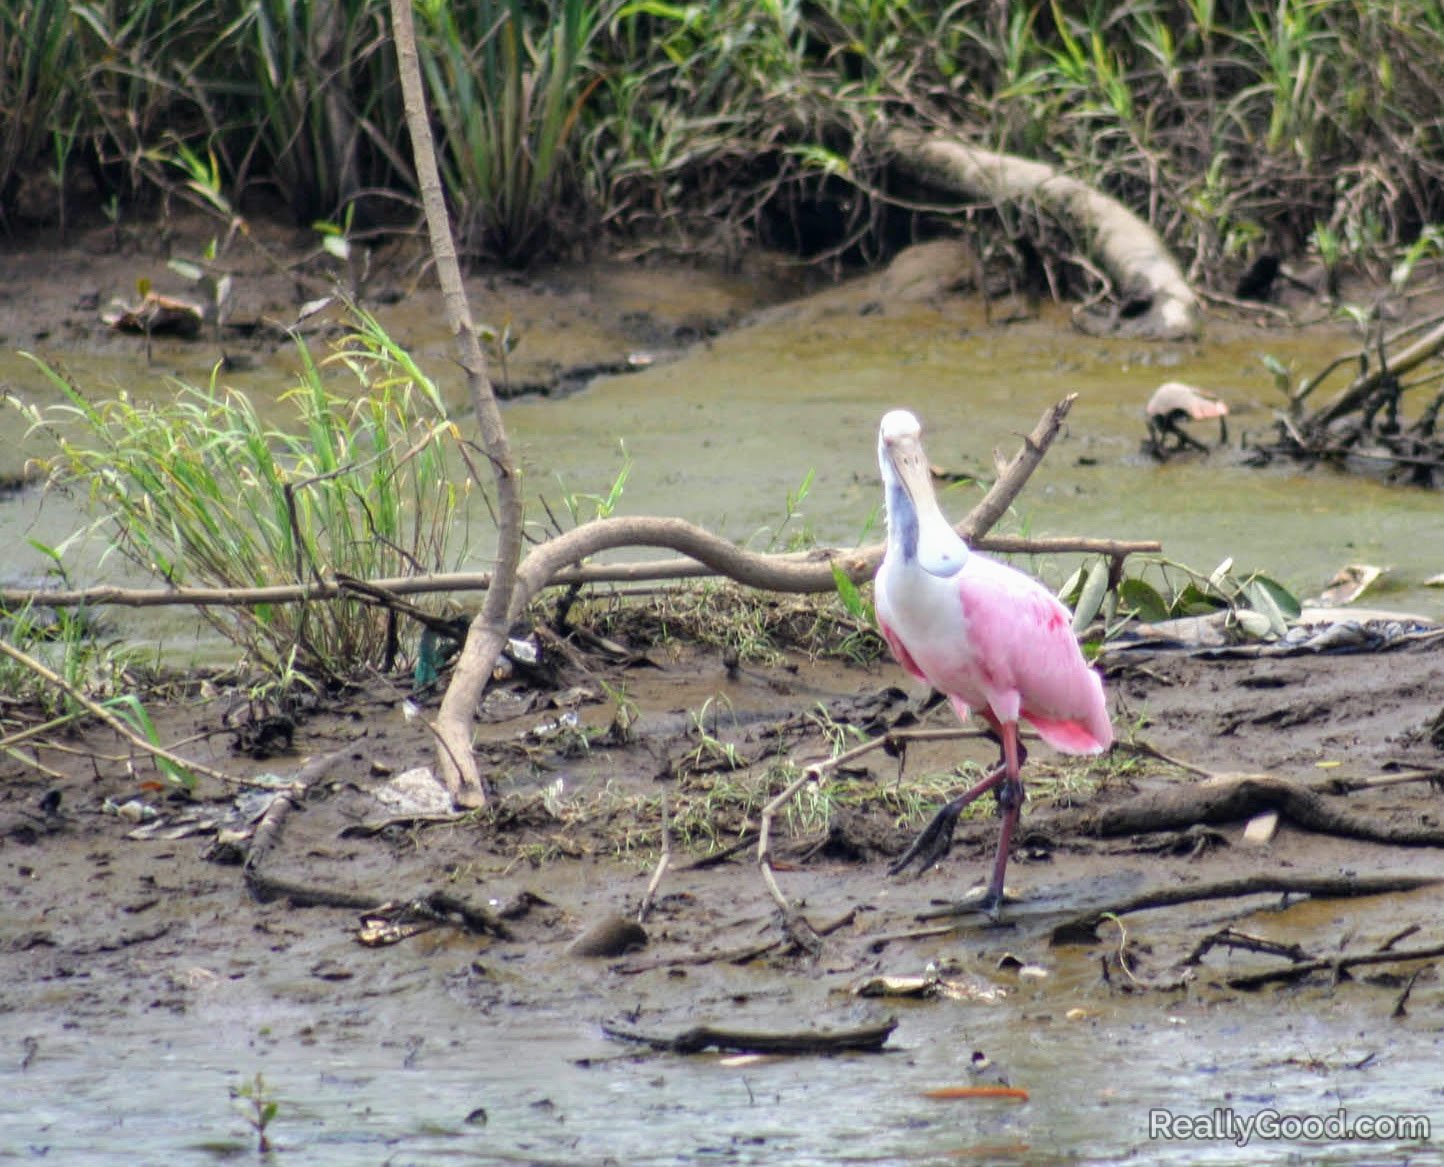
<point x="724" y="433"/>
<point x="391" y="1086"/>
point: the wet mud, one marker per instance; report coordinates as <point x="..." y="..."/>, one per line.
<point x="461" y="930"/>
<point x="418" y="986"/>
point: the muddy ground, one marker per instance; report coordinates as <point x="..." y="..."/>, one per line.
<point x="111" y="912"/>
<point x="123" y="899"/>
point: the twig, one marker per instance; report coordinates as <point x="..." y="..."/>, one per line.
<point x="96" y="709"/>
<point x="1403" y="999"/>
<point x="1380" y="781"/>
<point x="662" y="864"/>
<point x="1121" y="955"/>
<point x="1358" y="391"/>
<point x="1233" y="938"/>
<point x="822" y="1041"/>
<point x="892" y="740"/>
<point x="1401" y="934"/>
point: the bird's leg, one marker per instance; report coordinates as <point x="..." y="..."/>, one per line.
<point x="936" y="839"/>
<point x="1010" y="800"/>
<point x="1172" y="423"/>
<point x="996" y="733"/>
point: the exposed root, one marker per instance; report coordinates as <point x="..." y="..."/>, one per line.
<point x="1230" y="800"/>
<point x="1082" y="929"/>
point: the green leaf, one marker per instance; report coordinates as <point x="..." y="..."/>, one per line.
<point x="1144" y="600"/>
<point x="1262" y="603"/>
<point x="850" y="595"/>
<point x="1091" y="599"/>
<point x="1193" y="601"/>
<point x="129" y="708"/>
<point x="1068" y="593"/>
<point x="1287" y="602"/>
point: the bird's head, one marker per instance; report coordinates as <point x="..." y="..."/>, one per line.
<point x="916" y="527"/>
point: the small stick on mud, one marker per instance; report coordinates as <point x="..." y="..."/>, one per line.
<point x="663" y="862"/>
<point x="867" y="1038"/>
<point x="1382" y="781"/>
<point x="1233" y="938"/>
<point x="1399" y="1010"/>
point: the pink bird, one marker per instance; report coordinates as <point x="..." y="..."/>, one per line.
<point x="988" y="637"/>
<point x="1174" y="403"/>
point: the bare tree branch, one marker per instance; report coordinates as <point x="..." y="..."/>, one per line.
<point x="798" y="572"/>
<point x="455" y="760"/>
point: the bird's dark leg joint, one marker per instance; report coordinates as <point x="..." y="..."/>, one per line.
<point x="1010" y="795"/>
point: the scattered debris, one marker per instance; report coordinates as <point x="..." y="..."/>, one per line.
<point x="1349" y="583"/>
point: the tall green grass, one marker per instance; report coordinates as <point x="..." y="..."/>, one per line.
<point x="1286" y="124"/>
<point x="200" y="491"/>
<point x="508" y="88"/>
<point x="36" y="71"/>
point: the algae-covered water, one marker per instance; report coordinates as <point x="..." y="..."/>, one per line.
<point x="765" y="434"/>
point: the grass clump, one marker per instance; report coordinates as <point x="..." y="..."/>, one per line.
<point x="199" y="491"/>
<point x="747" y="626"/>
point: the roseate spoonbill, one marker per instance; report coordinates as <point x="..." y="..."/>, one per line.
<point x="1173" y="403"/>
<point x="988" y="637"/>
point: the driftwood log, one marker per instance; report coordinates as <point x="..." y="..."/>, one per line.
<point x="1238" y="798"/>
<point x="1158" y="300"/>
<point x="866" y="1038"/>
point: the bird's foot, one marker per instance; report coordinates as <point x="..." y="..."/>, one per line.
<point x="992" y="904"/>
<point x="935" y="841"/>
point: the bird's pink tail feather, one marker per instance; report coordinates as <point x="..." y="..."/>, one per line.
<point x="1072" y="737"/>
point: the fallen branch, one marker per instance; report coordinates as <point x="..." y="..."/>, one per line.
<point x="895" y="742"/>
<point x="808" y="572"/>
<point x="1334" y="964"/>
<point x="1179" y="807"/>
<point x="1362" y="386"/>
<point x="1134" y="255"/>
<point x="1081" y="929"/>
<point x="457" y="762"/>
<point x="867" y="1038"/>
<point x="265" y="888"/>
<point x="492" y="625"/>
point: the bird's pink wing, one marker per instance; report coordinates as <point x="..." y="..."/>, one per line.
<point x="900" y="654"/>
<point x="1027" y="660"/>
